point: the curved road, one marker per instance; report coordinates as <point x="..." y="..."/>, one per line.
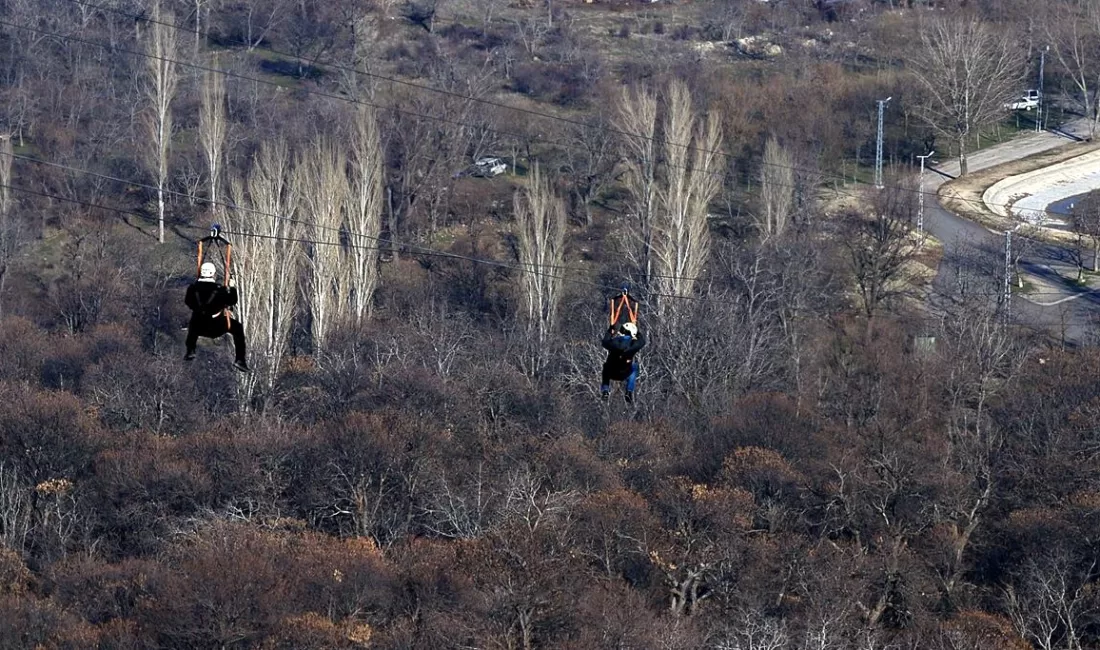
<point x="1066" y="315"/>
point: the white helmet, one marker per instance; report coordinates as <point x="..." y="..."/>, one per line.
<point x="207" y="271"/>
<point x="630" y="328"/>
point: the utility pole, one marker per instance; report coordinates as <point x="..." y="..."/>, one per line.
<point x="1040" y="109"/>
<point x="878" y="144"/>
<point x="1008" y="274"/>
<point x="1008" y="271"/>
<point x="920" y="195"/>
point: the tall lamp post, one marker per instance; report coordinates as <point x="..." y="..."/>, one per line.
<point x="1041" y="108"/>
<point x="1008" y="271"/>
<point x="878" y="144"/>
<point x="920" y="195"/>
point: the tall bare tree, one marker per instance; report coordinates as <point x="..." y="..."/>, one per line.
<point x="1051" y="600"/>
<point x="540" y="246"/>
<point x="636" y="117"/>
<point x="364" y="213"/>
<point x="213" y="127"/>
<point x="590" y="162"/>
<point x="777" y="185"/>
<point x="7" y="235"/>
<point x="321" y="181"/>
<point x="162" y="49"/>
<point x="968" y="71"/>
<point x="1085" y="220"/>
<point x="879" y="248"/>
<point x="266" y="264"/>
<point x="681" y="242"/>
<point x="1074" y="35"/>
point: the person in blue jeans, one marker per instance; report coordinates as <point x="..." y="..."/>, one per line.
<point x="621" y="343"/>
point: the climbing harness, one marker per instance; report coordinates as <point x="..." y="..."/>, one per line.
<point x="215" y="240"/>
<point x="621" y="302"/>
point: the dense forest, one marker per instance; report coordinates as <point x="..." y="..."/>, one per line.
<point x="419" y="457"/>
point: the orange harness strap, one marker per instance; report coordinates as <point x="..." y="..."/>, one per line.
<point x="215" y="237"/>
<point x="616" y="310"/>
<point x="228" y="254"/>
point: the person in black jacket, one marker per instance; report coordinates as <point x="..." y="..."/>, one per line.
<point x="208" y="302"/>
<point x="621" y="343"/>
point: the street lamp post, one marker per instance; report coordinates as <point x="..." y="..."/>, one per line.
<point x="920" y="195"/>
<point x="1008" y="270"/>
<point x="1041" y="108"/>
<point x="878" y="144"/>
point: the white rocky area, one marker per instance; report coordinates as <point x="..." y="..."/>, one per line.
<point x="1026" y="196"/>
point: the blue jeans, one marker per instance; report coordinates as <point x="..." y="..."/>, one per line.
<point x="608" y="377"/>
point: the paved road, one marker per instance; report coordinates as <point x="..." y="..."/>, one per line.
<point x="1064" y="312"/>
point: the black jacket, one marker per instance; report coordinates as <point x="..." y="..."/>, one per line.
<point x="209" y="298"/>
<point x="621" y="350"/>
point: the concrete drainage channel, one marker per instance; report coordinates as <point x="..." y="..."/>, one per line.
<point x="1041" y="197"/>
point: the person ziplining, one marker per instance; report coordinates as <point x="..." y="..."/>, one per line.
<point x="623" y="340"/>
<point x="210" y="304"/>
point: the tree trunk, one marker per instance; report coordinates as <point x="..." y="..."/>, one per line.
<point x="160" y="212"/>
<point x="392" y="225"/>
<point x="962" y="155"/>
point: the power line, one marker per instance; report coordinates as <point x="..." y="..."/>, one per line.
<point x="324" y="64"/>
<point x="830" y="176"/>
<point x="418" y="251"/>
<point x="223" y="203"/>
<point x="415" y="248"/>
<point x="1053" y="320"/>
<point x="390" y="243"/>
<point x="330" y="95"/>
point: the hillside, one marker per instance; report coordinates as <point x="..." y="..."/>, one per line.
<point x="419" y="456"/>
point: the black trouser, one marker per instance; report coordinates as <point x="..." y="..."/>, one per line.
<point x="628" y="374"/>
<point x="212" y="328"/>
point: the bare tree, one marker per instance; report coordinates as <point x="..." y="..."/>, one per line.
<point x="540" y="244"/>
<point x="776" y="189"/>
<point x="364" y="213"/>
<point x="671" y="186"/>
<point x="1049" y="604"/>
<point x="321" y="181"/>
<point x="968" y="71"/>
<point x="424" y="154"/>
<point x="16" y="509"/>
<point x="266" y="262"/>
<point x="1085" y="218"/>
<point x="589" y="164"/>
<point x="365" y="52"/>
<point x="7" y="234"/>
<point x="682" y="237"/>
<point x="879" y="246"/>
<point x="213" y="126"/>
<point x="982" y="358"/>
<point x="1074" y="35"/>
<point x="201" y="28"/>
<point x="162" y="50"/>
<point x="636" y="117"/>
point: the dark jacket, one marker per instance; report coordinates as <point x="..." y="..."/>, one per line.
<point x="209" y="298"/>
<point x="621" y="350"/>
